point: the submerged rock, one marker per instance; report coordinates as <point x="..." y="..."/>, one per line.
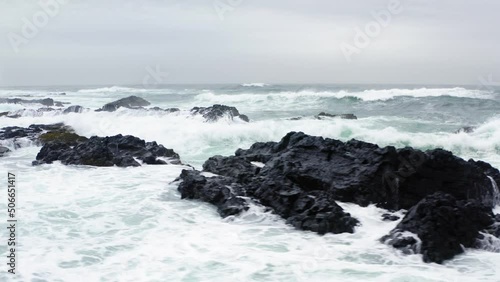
<point x="46" y="102"/>
<point x="440" y="226"/>
<point x="168" y="110"/>
<point x="466" y="129"/>
<point x="323" y="115"/>
<point x="131" y="102"/>
<point x="3" y="151"/>
<point x="73" y="109"/>
<point x="389" y="217"/>
<point x="216" y="112"/>
<point x="116" y="150"/>
<point x="30" y="112"/>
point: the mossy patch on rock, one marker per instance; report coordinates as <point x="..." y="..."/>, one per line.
<point x="66" y="137"/>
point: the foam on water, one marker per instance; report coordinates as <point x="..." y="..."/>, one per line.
<point x="366" y="95"/>
<point x="129" y="224"/>
<point x="113" y="89"/>
<point x="201" y="140"/>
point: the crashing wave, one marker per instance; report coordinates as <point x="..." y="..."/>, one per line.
<point x="367" y="95"/>
<point x="112" y="89"/>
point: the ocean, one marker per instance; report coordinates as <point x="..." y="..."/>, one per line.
<point x="129" y="224"/>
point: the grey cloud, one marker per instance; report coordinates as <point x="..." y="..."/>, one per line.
<point x="112" y="42"/>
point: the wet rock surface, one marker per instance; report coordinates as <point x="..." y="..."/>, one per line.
<point x="299" y="209"/>
<point x="356" y="171"/>
<point x="218" y="190"/>
<point x="131" y="102"/>
<point x="217" y="112"/>
<point x="439" y="226"/>
<point x="301" y="177"/>
<point x="32" y="132"/>
<point x="116" y="150"/>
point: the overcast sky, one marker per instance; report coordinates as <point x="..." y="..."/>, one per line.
<point x="112" y="42"/>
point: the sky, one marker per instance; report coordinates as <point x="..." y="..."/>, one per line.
<point x="128" y="42"/>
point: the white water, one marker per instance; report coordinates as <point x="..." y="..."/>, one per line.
<point x="201" y="140"/>
<point x="115" y="224"/>
<point x="129" y="224"/>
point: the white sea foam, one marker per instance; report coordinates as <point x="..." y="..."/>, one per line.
<point x="201" y="140"/>
<point x="112" y="89"/>
<point x="129" y="224"/>
<point x="310" y="96"/>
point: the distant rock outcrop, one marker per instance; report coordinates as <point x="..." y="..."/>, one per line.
<point x="49" y="102"/>
<point x="131" y="102"/>
<point x="323" y="115"/>
<point x="216" y="112"/>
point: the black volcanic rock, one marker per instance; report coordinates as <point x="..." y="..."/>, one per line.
<point x="441" y="226"/>
<point x="357" y="171"/>
<point x="105" y="151"/>
<point x="131" y="102"/>
<point x="216" y="112"/>
<point x="300" y="210"/>
<point x="301" y="178"/>
<point x="32" y="132"/>
<point x="219" y="191"/>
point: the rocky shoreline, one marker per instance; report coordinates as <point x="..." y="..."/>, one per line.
<point x="302" y="179"/>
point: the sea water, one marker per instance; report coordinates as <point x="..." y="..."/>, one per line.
<point x="79" y="223"/>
